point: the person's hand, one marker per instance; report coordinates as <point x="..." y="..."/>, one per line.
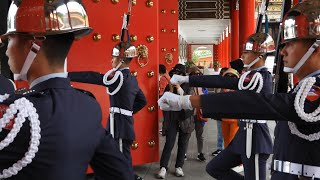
<point x="177" y="79"/>
<point x="173" y="102"/>
<point x="179" y="90"/>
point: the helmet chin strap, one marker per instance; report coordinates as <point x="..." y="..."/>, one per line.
<point x="304" y="58"/>
<point x="248" y="66"/>
<point x="118" y="66"/>
<point x="27" y="63"/>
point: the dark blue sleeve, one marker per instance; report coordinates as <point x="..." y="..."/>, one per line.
<point x="6" y="86"/>
<point x="213" y="81"/>
<point x="139" y="102"/>
<point x="109" y="163"/>
<point x="251" y="105"/>
<point x="89" y="77"/>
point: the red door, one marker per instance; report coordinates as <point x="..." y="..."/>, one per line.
<point x="94" y="53"/>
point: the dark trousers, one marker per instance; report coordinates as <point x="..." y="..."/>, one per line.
<point x="126" y="144"/>
<point x="280" y="176"/>
<point x="172" y="128"/>
<point x="199" y="126"/>
<point x="220" y="166"/>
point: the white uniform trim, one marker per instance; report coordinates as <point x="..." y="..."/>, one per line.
<point x="255" y="82"/>
<point x="256" y="165"/>
<point x="20" y="110"/>
<point x="253" y="121"/>
<point x="121" y="111"/>
<point x="296" y="169"/>
<point x="114" y="110"/>
<point x="302" y="91"/>
<point x="117" y="75"/>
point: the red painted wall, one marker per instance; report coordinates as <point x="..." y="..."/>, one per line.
<point x="88" y="54"/>
<point x="168" y="31"/>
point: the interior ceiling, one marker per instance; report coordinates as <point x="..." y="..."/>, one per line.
<point x="206" y="31"/>
<point x="203" y="21"/>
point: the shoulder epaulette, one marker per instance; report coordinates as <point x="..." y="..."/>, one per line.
<point x="24" y="91"/>
<point x="86" y="92"/>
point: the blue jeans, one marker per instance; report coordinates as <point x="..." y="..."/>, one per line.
<point x="219" y="136"/>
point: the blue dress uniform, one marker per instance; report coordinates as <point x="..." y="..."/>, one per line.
<point x="294" y="157"/>
<point x="6" y="86"/>
<point x="235" y="153"/>
<point x="71" y="136"/>
<point x="130" y="98"/>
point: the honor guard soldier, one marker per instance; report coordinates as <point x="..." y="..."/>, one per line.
<point x="64" y="134"/>
<point x="297" y="134"/>
<point x="252" y="144"/>
<point x="126" y="98"/>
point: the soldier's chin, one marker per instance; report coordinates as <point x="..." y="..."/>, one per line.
<point x="287" y="70"/>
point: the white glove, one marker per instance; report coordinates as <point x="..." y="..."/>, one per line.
<point x="177" y="79"/>
<point x="173" y="102"/>
<point x="180" y="91"/>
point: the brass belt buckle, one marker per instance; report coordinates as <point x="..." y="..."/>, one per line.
<point x="249" y="125"/>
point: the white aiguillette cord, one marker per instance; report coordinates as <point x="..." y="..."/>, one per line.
<point x="302" y="90"/>
<point x="254" y="81"/>
<point x="114" y="79"/>
<point x="25" y="109"/>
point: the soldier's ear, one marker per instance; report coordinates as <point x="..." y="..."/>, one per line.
<point x="27" y="41"/>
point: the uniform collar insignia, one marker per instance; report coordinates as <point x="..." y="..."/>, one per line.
<point x="314" y="93"/>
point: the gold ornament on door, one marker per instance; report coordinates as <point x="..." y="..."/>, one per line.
<point x="169" y="58"/>
<point x="142" y="51"/>
<point x="149" y="3"/>
<point x="134" y="145"/>
<point x="151" y="143"/>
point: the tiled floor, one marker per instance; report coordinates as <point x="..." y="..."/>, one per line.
<point x="193" y="169"/>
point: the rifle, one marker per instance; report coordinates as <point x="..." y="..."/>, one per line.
<point x="262" y="12"/>
<point x="281" y="78"/>
<point x="125" y="23"/>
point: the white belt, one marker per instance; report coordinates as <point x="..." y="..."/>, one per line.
<point x="253" y="121"/>
<point x="296" y="169"/>
<point x="120" y="111"/>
